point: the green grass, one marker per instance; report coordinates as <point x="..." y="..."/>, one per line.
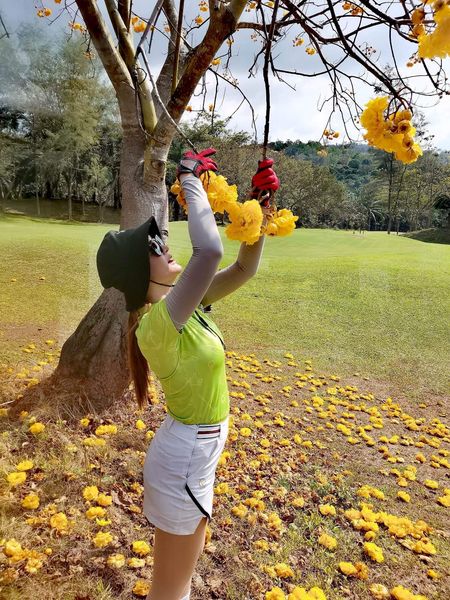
<point x="371" y="304"/>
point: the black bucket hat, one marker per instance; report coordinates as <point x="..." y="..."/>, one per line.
<point x="123" y="262"/>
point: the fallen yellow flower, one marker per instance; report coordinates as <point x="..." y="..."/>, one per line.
<point x="90" y="492"/>
<point x="25" y="465"/>
<point x="141" y="588"/>
<point x="327" y="509"/>
<point x="140" y="547"/>
<point x="116" y="560"/>
<point x="16" y="478"/>
<point x="328" y="541"/>
<point x="31" y="501"/>
<point x="374" y="551"/>
<point x="36" y="428"/>
<point x="102" y="539"/>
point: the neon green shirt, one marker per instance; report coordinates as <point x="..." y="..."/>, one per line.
<point x="190" y="364"/>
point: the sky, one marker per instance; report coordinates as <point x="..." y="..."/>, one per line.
<point x="295" y="112"/>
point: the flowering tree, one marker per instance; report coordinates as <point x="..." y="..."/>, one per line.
<point x="349" y="42"/>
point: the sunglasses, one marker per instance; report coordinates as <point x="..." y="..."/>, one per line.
<point x="156" y="245"/>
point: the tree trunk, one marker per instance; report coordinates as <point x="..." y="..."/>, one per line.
<point x="70" y="198"/>
<point x="391" y="177"/>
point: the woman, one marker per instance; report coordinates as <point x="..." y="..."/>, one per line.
<point x="171" y="331"/>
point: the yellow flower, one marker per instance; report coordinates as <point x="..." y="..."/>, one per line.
<point x="383" y="133"/>
<point x="281" y="223"/>
<point x="328" y="541"/>
<point x="12" y="548"/>
<point x="348" y="568"/>
<point x="215" y="62"/>
<point x="327" y="509"/>
<point x="84" y="422"/>
<point x="135" y="563"/>
<point x="374" y="551"/>
<point x="401" y="593"/>
<point x="437" y="43"/>
<point x="95" y="511"/>
<point x="104" y="500"/>
<point x="444" y="500"/>
<point x="141" y="588"/>
<point x="275" y="593"/>
<point x="31" y="501"/>
<point x="140" y="425"/>
<point x="245" y="431"/>
<point x="90" y="492"/>
<point x="246" y="220"/>
<point x="240" y="510"/>
<point x="15" y="479"/>
<point x="300" y="593"/>
<point x="222" y="488"/>
<point x="106" y="430"/>
<point x="403" y="496"/>
<point x="298" y="502"/>
<point x="59" y="522"/>
<point x="36" y="428"/>
<point x="116" y="560"/>
<point x="429" y="483"/>
<point x="261" y="545"/>
<point x="140" y="547"/>
<point x="424" y="547"/>
<point x="283" y="570"/>
<point x="94" y="441"/>
<point x="379" y="592"/>
<point x="25" y="465"/>
<point x="102" y="539"/>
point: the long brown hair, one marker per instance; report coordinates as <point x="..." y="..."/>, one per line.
<point x="137" y="362"/>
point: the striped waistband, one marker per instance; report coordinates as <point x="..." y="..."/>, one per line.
<point x="209" y="431"/>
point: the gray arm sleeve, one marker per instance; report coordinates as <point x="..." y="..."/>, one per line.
<point x="232" y="277"/>
<point x="207" y="253"/>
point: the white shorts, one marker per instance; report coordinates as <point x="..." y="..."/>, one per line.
<point x="179" y="474"/>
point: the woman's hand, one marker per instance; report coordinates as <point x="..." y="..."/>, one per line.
<point x="197" y="163"/>
<point x="264" y="182"/>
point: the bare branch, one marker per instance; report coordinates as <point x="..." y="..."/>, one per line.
<point x="112" y="61"/>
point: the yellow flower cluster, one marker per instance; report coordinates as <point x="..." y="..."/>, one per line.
<point x="401" y="593"/>
<point x="44" y="12"/>
<point x="140" y="547"/>
<point x="281" y="223"/>
<point x="106" y="430"/>
<point x="328" y="541"/>
<point x="14" y="553"/>
<point x="374" y="551"/>
<point x="141" y="588"/>
<point x="246" y="221"/>
<point x="246" y="218"/>
<point x="358" y="570"/>
<point x="367" y="520"/>
<point x="60" y="522"/>
<point x="327" y="509"/>
<point x="392" y="134"/>
<point x="435" y="44"/>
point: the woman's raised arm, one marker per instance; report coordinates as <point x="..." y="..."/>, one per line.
<point x="207" y="252"/>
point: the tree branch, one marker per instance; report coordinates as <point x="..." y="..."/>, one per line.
<point x="113" y="63"/>
<point x="142" y="86"/>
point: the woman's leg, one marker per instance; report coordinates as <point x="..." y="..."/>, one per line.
<point x="175" y="557"/>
